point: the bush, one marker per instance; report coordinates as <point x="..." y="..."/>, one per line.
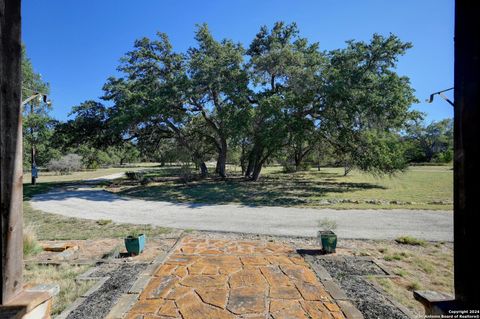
<point x="134" y="176"/>
<point x="66" y="164"/>
<point x="288" y="167"/>
<point x="444" y="157"/>
<point x="146" y="180"/>
<point x="408" y="240"/>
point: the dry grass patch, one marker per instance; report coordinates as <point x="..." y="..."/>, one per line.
<point x="428" y="266"/>
<point x="64" y="275"/>
<point x="30" y="243"/>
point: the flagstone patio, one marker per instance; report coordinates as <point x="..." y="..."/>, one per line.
<point x="216" y="278"/>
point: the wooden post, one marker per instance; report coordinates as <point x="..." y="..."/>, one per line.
<point x="467" y="155"/>
<point x="11" y="240"/>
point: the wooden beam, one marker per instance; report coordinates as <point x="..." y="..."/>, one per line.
<point x="11" y="242"/>
<point x="467" y="154"/>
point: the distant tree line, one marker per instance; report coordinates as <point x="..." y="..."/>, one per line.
<point x="281" y="100"/>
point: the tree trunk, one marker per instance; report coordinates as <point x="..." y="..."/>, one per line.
<point x="250" y="166"/>
<point x="256" y="171"/>
<point x="299" y="156"/>
<point x="11" y="187"/>
<point x="243" y="161"/>
<point x="203" y="169"/>
<point x="243" y="166"/>
<point x="222" y="160"/>
<point x="347" y="169"/>
<point x="298" y="162"/>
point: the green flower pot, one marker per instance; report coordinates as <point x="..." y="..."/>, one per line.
<point x="135" y="244"/>
<point x="329" y="241"/>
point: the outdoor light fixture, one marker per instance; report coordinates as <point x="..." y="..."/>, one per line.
<point x="430" y="100"/>
<point x="40" y="96"/>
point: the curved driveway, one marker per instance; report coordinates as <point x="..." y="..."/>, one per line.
<point x="92" y="203"/>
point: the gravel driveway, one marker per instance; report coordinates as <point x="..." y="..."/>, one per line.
<point x="93" y="203"/>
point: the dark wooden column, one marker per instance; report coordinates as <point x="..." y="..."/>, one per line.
<point x="11" y="242"/>
<point x="467" y="155"/>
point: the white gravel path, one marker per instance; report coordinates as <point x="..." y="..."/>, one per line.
<point x="91" y="203"/>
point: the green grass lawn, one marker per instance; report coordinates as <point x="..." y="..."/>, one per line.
<point x="419" y="187"/>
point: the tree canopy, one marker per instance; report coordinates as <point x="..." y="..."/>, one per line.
<point x="279" y="99"/>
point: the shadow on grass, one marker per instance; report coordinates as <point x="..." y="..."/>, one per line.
<point x="272" y="190"/>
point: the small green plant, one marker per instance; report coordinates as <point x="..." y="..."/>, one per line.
<point x="392" y="257"/>
<point x="327" y="224"/>
<point x="383" y="250"/>
<point x="103" y="222"/>
<point x="401" y="272"/>
<point x="30" y="243"/>
<point x="134" y="233"/>
<point x="408" y="240"/>
<point x="413" y="286"/>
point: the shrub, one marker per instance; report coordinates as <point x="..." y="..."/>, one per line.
<point x="145" y="181"/>
<point x="408" y="240"/>
<point x="66" y="164"/>
<point x="134" y="176"/>
<point x="288" y="167"/>
<point x="444" y="157"/>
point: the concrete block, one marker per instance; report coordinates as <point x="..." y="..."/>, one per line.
<point x="123" y="305"/>
<point x="140" y="284"/>
<point x="350" y="311"/>
<point x="335" y="291"/>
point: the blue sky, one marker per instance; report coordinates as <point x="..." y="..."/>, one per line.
<point x="76" y="45"/>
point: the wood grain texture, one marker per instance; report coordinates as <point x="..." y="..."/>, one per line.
<point x="467" y="153"/>
<point x="11" y="245"/>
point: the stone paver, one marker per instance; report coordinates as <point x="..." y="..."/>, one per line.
<point x="209" y="279"/>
